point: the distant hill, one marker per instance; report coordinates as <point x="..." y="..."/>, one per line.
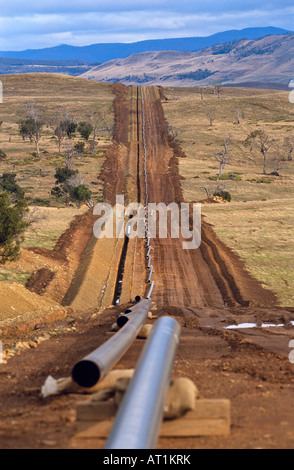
<point x="66" y="67"/>
<point x="266" y="62"/>
<point x="105" y="52"/>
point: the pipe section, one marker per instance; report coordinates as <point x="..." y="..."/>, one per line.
<point x="140" y="414"/>
<point x="87" y="372"/>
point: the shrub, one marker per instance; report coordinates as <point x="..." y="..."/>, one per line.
<point x="12" y="227"/>
<point x="2" y="155"/>
<point x="85" y="129"/>
<point x="224" y="194"/>
<point x="64" y="173"/>
<point x="79" y="147"/>
<point x="70" y="127"/>
<point x="82" y="193"/>
<point x="264" y="180"/>
<point x="8" y="183"/>
<point x="226" y="176"/>
<point x="38" y="201"/>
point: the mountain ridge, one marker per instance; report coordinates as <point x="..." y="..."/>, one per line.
<point x="108" y="51"/>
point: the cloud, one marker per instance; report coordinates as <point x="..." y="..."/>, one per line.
<point x="38" y="24"/>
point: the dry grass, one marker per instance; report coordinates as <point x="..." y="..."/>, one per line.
<point x="55" y="94"/>
<point x="50" y="223"/>
<point x="258" y="223"/>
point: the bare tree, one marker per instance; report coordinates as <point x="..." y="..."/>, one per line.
<point x="223" y="157"/>
<point x="217" y="89"/>
<point x="237" y="114"/>
<point x="279" y="157"/>
<point x="70" y="153"/>
<point x="99" y="122"/>
<point x="174" y="134"/>
<point x="60" y="132"/>
<point x="34" y="216"/>
<point x="210" y="113"/>
<point x="289" y="147"/>
<point x="264" y="143"/>
<point x="207" y="191"/>
<point x="202" y="91"/>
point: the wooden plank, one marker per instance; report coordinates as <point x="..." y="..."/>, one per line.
<point x="204" y="408"/>
<point x="195" y="427"/>
<point x="91" y="411"/>
<point x="210" y="408"/>
<point x="210" y="418"/>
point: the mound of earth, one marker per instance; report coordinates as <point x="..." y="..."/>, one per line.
<point x="21" y="310"/>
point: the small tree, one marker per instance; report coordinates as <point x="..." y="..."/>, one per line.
<point x="66" y="183"/>
<point x="223" y="157"/>
<point x="82" y="194"/>
<point x="12" y="227"/>
<point x="31" y="127"/>
<point x="85" y="129"/>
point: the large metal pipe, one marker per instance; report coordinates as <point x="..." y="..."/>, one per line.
<point x="140" y="414"/>
<point x="87" y="372"/>
<point x="129" y="313"/>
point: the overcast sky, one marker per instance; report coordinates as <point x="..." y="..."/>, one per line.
<point x="36" y="24"/>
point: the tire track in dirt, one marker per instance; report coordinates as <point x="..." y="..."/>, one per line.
<point x="213" y="275"/>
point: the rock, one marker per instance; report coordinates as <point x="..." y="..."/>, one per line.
<point x="32" y="344"/>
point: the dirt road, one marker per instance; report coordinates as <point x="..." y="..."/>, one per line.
<point x="206" y="290"/>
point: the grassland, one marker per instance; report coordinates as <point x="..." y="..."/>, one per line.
<point x="258" y="222"/>
<point x="55" y="95"/>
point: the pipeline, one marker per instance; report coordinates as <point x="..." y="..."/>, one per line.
<point x="140" y="414"/>
<point x="87" y="372"/>
<point x="130" y="312"/>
